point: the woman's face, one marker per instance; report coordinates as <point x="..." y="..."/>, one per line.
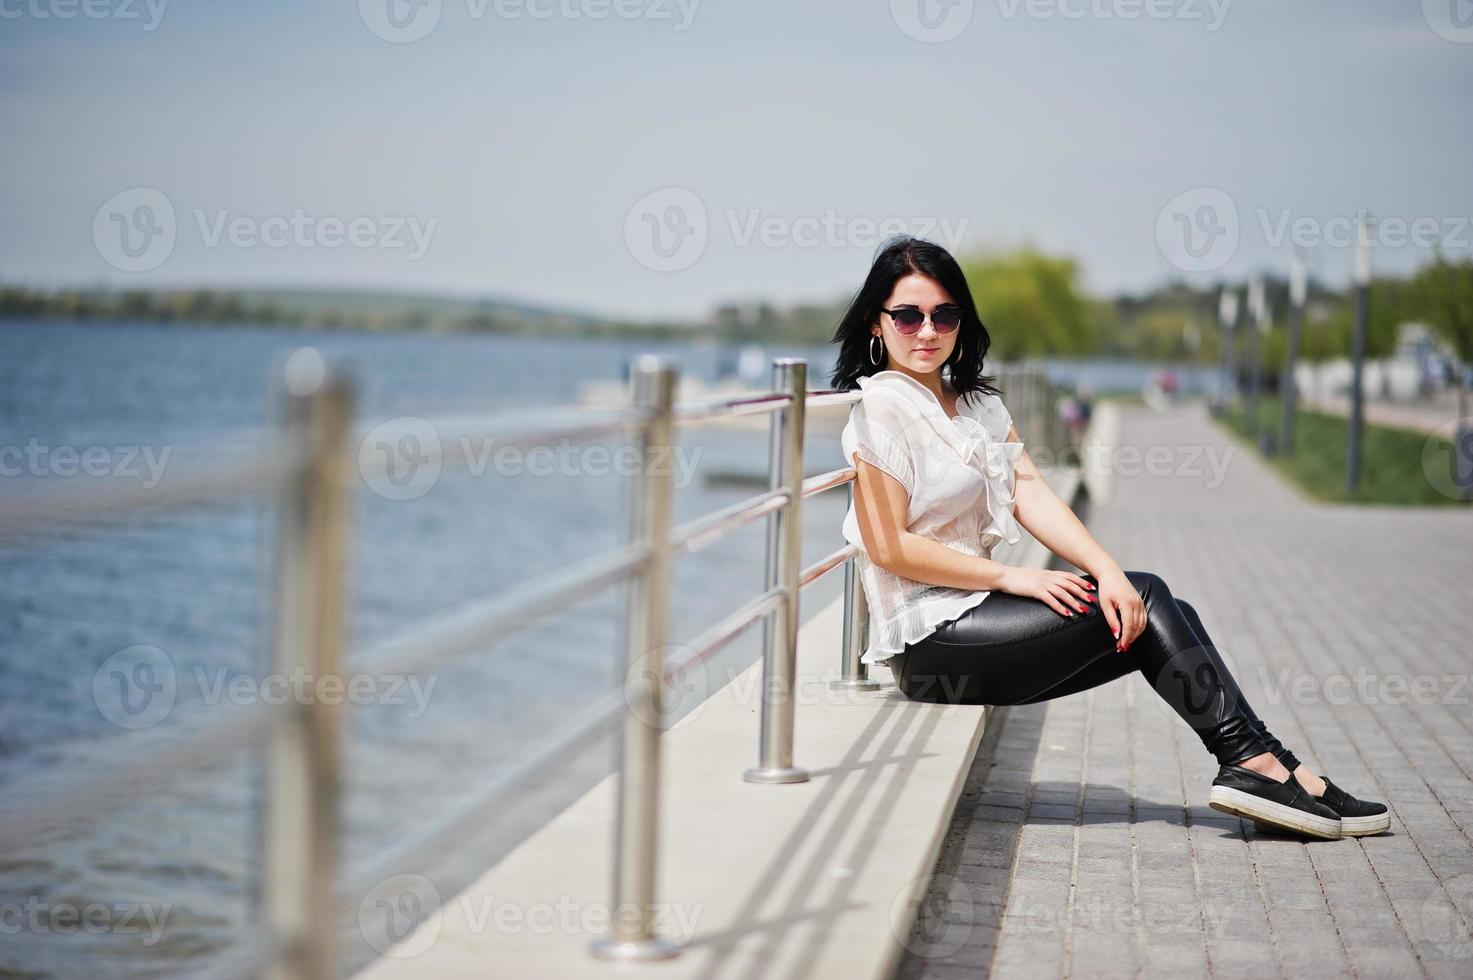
<point x="926" y="350"/>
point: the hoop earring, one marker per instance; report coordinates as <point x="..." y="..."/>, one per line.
<point x="874" y="357"/>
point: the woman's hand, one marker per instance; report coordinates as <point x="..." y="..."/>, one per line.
<point x="1123" y="607"/>
<point x="1053" y="587"/>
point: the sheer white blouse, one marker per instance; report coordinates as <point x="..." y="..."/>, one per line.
<point x="959" y="472"/>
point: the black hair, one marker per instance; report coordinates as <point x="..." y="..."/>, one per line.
<point x="897" y="258"/>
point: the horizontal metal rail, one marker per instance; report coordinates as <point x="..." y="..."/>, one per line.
<point x="696" y="534"/>
<point x="827" y="563"/>
<point x="254" y="470"/>
<point x="143" y="763"/>
<point x="444" y="638"/>
<point x="586" y="727"/>
<point x="714" y="637"/>
<point x="305" y="467"/>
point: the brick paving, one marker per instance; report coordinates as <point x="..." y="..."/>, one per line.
<point x="1083" y="844"/>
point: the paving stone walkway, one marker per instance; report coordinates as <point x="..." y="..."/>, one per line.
<point x="1083" y="844"/>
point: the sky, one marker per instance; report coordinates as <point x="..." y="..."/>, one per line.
<point x="653" y="158"/>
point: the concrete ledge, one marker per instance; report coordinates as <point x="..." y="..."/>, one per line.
<point x="805" y="880"/>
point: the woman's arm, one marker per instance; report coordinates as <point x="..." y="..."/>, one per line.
<point x="881" y="506"/>
<point x="1060" y="530"/>
<point x="1054" y="522"/>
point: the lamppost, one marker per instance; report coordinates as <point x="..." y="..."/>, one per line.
<point x="1298" y="290"/>
<point x="1358" y="348"/>
<point x="1258" y="309"/>
<point x="1227" y="319"/>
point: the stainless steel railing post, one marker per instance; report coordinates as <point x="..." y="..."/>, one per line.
<point x="854" y="673"/>
<point x="784" y="567"/>
<point x="631" y="934"/>
<point x="302" y="763"/>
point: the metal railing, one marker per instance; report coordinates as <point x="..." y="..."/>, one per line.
<point x="307" y="472"/>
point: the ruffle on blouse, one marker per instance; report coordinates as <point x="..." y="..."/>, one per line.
<point x="998" y="462"/>
<point x="889" y="638"/>
<point x="967" y="436"/>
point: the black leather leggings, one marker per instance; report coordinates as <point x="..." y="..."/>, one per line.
<point x="1011" y="649"/>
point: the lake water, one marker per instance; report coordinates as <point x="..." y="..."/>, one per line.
<point x="172" y="881"/>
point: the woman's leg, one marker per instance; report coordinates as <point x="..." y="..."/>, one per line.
<point x="1012" y="649"/>
<point x="1281" y="753"/>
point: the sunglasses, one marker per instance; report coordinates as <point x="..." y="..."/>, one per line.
<point x="909" y="321"/>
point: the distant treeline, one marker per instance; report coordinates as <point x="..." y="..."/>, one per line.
<point x="306" y="309"/>
<point x="1031" y="303"/>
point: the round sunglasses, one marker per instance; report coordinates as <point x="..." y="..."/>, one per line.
<point x="908" y="321"/>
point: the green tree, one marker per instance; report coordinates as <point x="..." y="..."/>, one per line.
<point x="1443" y="296"/>
<point x="1031" y="303"/>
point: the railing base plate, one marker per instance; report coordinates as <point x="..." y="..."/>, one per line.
<point x="791" y="774"/>
<point x="655" y="948"/>
<point x="855" y="684"/>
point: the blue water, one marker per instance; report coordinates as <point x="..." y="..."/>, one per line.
<point x="195" y="589"/>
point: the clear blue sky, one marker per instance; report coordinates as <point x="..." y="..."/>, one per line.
<point x="520" y="144"/>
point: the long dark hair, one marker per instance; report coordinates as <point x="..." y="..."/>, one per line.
<point x="897" y="258"/>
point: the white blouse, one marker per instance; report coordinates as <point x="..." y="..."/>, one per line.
<point x="959" y="472"/>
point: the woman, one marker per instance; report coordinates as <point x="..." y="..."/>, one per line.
<point x="942" y="476"/>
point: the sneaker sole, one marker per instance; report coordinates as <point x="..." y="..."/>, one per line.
<point x="1275" y="815"/>
<point x="1349" y="826"/>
